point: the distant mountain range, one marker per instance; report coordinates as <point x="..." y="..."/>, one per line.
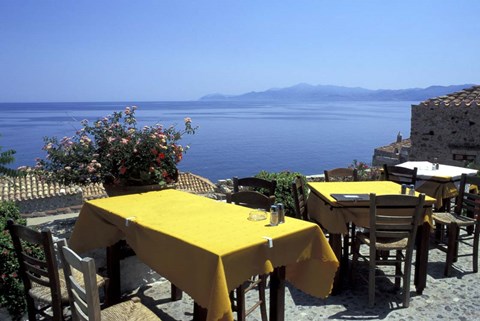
<point x="307" y="92"/>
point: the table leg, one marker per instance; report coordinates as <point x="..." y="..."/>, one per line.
<point x="113" y="273"/>
<point x="277" y="294"/>
<point x="175" y="293"/>
<point x="199" y="313"/>
<point x="423" y="236"/>
<point x="335" y="241"/>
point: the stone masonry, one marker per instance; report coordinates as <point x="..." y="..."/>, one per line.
<point x="447" y="128"/>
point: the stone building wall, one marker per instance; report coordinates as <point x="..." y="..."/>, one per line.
<point x="448" y="131"/>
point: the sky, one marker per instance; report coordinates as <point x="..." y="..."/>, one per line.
<point x="156" y="50"/>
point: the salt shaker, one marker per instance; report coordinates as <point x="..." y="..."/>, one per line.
<point x="273" y="215"/>
<point x="281" y="213"/>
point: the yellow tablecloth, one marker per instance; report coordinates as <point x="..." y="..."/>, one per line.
<point x="205" y="247"/>
<point x="334" y="216"/>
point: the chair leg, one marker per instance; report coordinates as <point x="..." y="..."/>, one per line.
<point x="355" y="250"/>
<point x="346" y="243"/>
<point x="476" y="238"/>
<point x="32" y="314"/>
<point x="240" y="300"/>
<point x="398" y="268"/>
<point x="371" y="285"/>
<point x="452" y="241"/>
<point x="407" y="270"/>
<point x="439" y="230"/>
<point x="261" y="292"/>
<point x="371" y="277"/>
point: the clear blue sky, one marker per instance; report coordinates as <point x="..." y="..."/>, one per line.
<point x="116" y="50"/>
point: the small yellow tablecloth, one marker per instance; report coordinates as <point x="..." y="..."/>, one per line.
<point x="334" y="216"/>
<point x="205" y="247"/>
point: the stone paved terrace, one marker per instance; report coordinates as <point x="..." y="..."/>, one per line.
<point x="453" y="298"/>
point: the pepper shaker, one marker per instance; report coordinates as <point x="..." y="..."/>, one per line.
<point x="281" y="213"/>
<point x="412" y="190"/>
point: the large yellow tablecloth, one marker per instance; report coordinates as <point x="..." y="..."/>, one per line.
<point x="334" y="216"/>
<point x="205" y="247"/>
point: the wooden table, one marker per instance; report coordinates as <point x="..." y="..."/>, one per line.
<point x="441" y="184"/>
<point x="207" y="248"/>
<point x="334" y="217"/>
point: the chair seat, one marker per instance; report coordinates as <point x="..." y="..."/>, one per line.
<point x="131" y="310"/>
<point x="42" y="294"/>
<point x="384" y="244"/>
<point x="449" y="218"/>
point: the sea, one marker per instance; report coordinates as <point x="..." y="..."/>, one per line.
<point x="233" y="138"/>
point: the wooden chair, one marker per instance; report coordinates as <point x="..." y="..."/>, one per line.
<point x="83" y="293"/>
<point x="43" y="281"/>
<point x="463" y="224"/>
<point x="299" y="193"/>
<point x="254" y="183"/>
<point x="250" y="199"/>
<point x="393" y="226"/>
<point x="341" y="174"/>
<point x="400" y="175"/>
<point x="40" y="275"/>
<point x="344" y="175"/>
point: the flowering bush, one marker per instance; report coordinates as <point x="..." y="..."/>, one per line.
<point x="113" y="150"/>
<point x="365" y="172"/>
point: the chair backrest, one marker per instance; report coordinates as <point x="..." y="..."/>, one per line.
<point x="395" y="217"/>
<point x="251" y="199"/>
<point x="341" y="174"/>
<point x="254" y="182"/>
<point x="299" y="193"/>
<point x="41" y="269"/>
<point x="84" y="298"/>
<point x="468" y="201"/>
<point x="400" y="175"/>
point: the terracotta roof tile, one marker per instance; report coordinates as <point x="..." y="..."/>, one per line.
<point x="194" y="184"/>
<point x="31" y="187"/>
<point x="396" y="146"/>
<point x="466" y="97"/>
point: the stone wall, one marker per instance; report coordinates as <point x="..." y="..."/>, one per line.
<point x="450" y="133"/>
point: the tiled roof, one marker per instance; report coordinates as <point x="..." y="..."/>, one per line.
<point x="31" y="187"/>
<point x="194" y="184"/>
<point x="466" y="97"/>
<point x="396" y="146"/>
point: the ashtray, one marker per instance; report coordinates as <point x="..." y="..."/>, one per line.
<point x="257" y="215"/>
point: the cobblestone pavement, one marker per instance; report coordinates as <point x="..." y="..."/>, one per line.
<point x="453" y="298"/>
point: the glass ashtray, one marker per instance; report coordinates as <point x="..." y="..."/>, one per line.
<point x="257" y="215"/>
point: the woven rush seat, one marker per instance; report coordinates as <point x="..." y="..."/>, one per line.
<point x="131" y="310"/>
<point x="449" y="218"/>
<point x="43" y="295"/>
<point x="384" y="244"/>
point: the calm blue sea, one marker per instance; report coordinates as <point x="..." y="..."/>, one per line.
<point x="234" y="138"/>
